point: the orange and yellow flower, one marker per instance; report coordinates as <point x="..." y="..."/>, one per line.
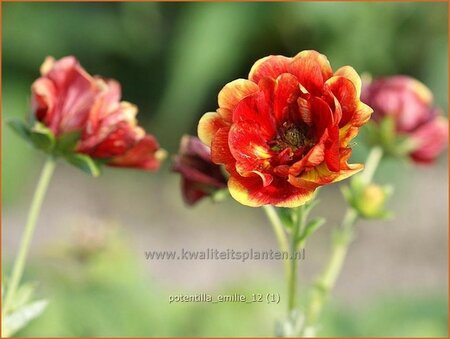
<point x="286" y="129"/>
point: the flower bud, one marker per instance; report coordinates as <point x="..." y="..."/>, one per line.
<point x="369" y="200"/>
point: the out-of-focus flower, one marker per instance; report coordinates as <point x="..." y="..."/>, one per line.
<point x="111" y="132"/>
<point x="417" y="123"/>
<point x="200" y="176"/>
<point x="81" y="117"/>
<point x="286" y="130"/>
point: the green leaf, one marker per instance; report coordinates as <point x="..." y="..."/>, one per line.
<point x="287" y="216"/>
<point x="42" y="137"/>
<point x="312" y="226"/>
<point x="66" y="143"/>
<point x="85" y="163"/>
<point x="20" y="127"/>
<point x="20" y="318"/>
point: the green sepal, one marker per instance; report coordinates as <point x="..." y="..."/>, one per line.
<point x="66" y="143"/>
<point x="21" y="128"/>
<point x="42" y="137"/>
<point x="85" y="163"/>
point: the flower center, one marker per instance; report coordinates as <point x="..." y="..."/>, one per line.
<point x="293" y="137"/>
<point x="290" y="136"/>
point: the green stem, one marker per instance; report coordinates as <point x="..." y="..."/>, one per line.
<point x="27" y="236"/>
<point x="278" y="229"/>
<point x="343" y="237"/>
<point x="292" y="279"/>
<point x="325" y="283"/>
<point x="372" y="162"/>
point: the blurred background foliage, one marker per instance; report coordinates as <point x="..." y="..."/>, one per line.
<point x="172" y="59"/>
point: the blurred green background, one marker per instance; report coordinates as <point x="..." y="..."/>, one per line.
<point x="172" y="59"/>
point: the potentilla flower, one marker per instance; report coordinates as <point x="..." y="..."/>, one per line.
<point x="111" y="132"/>
<point x="286" y="130"/>
<point x="200" y="176"/>
<point x="409" y="103"/>
<point x="69" y="101"/>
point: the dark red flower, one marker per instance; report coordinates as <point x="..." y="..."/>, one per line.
<point x="286" y="130"/>
<point x="200" y="176"/>
<point x="410" y="104"/>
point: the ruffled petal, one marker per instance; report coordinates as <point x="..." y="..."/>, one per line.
<point x="314" y="157"/>
<point x="271" y="67"/>
<point x="145" y="154"/>
<point x="251" y="192"/>
<point x="346" y="134"/>
<point x="332" y="156"/>
<point x="362" y="114"/>
<point x="249" y="148"/>
<point x="235" y="91"/>
<point x="115" y="143"/>
<point x="43" y="100"/>
<point x="350" y="73"/>
<point x="312" y="69"/>
<point x="220" y="150"/>
<point x="286" y="92"/>
<point x="345" y="92"/>
<point x="208" y="126"/>
<point x="257" y="110"/>
<point x="321" y="115"/>
<point x="321" y="175"/>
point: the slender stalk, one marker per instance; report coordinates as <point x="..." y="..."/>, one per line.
<point x="372" y="162"/>
<point x="292" y="280"/>
<point x="327" y="280"/>
<point x="343" y="237"/>
<point x="289" y="246"/>
<point x="278" y="228"/>
<point x="27" y="235"/>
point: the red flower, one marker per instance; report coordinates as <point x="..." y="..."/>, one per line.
<point x="286" y="130"/>
<point x="112" y="133"/>
<point x="410" y="104"/>
<point x="67" y="99"/>
<point x="200" y="176"/>
<point x="63" y="95"/>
